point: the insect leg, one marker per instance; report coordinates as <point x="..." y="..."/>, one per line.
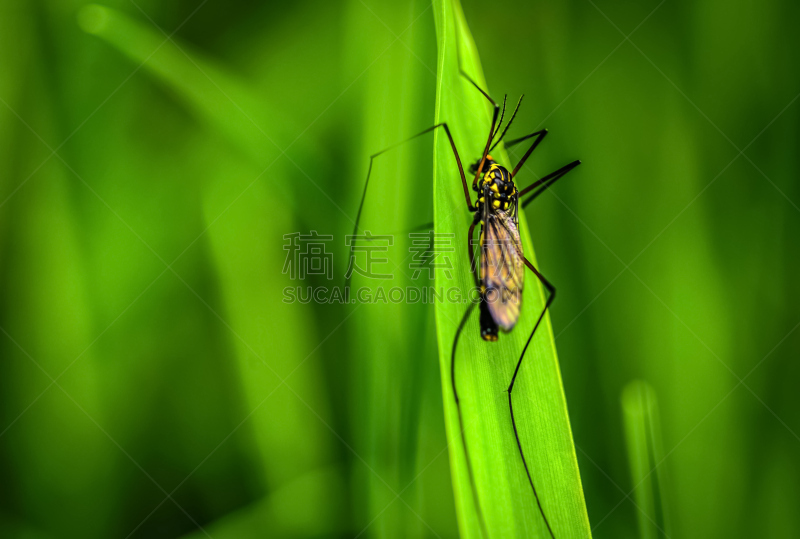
<point x="475" y="84"/>
<point x="550" y="299"/>
<point x="544" y="183"/>
<point x="541" y="134"/>
<point x="471" y="250"/>
<point x="494" y="134"/>
<point x="539" y="138"/>
<point x="472" y="265"/>
<point x="476" y="501"/>
<point x="369" y="172"/>
<point x="491" y="129"/>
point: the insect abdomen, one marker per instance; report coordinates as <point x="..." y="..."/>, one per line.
<point x="488" y="325"/>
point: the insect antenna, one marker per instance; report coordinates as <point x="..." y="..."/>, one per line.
<point x="542" y="185"/>
<point x="514" y="115"/>
<point x="502" y="115"/>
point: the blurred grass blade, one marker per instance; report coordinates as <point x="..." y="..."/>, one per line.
<point x="305" y="507"/>
<point x="50" y="445"/>
<point x="643" y="438"/>
<point x="216" y="96"/>
<point x="286" y="407"/>
<point x="397" y="419"/>
<point x="484" y="369"/>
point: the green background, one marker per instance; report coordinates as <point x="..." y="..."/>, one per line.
<point x="152" y="380"/>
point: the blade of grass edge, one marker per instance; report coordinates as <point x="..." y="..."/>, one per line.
<point x="390" y="361"/>
<point x="484" y="369"/>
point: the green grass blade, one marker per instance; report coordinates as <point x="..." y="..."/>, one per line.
<point x="285" y="402"/>
<point x="304" y="507"/>
<point x="643" y="438"/>
<point x="397" y="416"/>
<point x="51" y="447"/>
<point x="484" y="369"/>
<point x="216" y="96"/>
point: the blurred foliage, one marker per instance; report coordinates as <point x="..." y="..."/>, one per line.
<point x="154" y="384"/>
<point x="645" y="453"/>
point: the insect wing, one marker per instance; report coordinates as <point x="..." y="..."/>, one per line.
<point x="502" y="268"/>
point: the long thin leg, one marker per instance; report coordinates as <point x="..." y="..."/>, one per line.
<point x="474" y="269"/>
<point x="539" y="138"/>
<point x="546" y="182"/>
<point x="369" y="172"/>
<point x="550" y="299"/>
<point x="491" y="129"/>
<point x="486" y="95"/>
<point x="472" y="265"/>
<point x="516" y="141"/>
<point x="461" y="418"/>
<point x="475" y="84"/>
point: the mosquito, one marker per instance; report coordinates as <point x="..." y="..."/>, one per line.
<point x="500" y="269"/>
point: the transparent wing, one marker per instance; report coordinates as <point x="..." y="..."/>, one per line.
<point x="502" y="268"/>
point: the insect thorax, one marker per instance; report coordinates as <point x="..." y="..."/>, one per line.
<point x="498" y="185"/>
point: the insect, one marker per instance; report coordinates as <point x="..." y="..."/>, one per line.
<point x="500" y="269"/>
